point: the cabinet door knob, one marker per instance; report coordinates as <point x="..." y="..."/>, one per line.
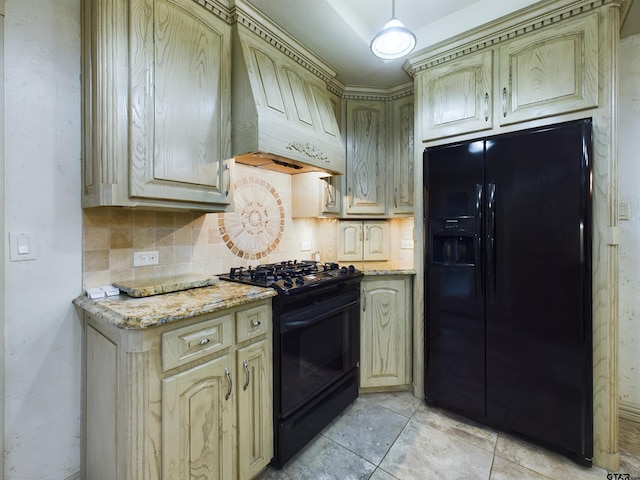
<point x="204" y="341"/>
<point x="255" y="323"/>
<point x="246" y="370"/>
<point x="364" y="299"/>
<point x="227" y="172"/>
<point x="486" y="106"/>
<point x="504" y="102"/>
<point x="229" y="383"/>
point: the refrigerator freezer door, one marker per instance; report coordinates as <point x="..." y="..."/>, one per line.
<point x="539" y="302"/>
<point x="455" y="352"/>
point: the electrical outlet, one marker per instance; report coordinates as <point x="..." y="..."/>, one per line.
<point x="141" y="259"/>
<point x="305" y="245"/>
<point x="407" y="244"/>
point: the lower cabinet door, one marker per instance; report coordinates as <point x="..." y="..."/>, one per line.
<point x="197" y="422"/>
<point x="255" y="419"/>
<point x="385" y="332"/>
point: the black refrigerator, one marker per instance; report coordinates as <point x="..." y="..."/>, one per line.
<point x="508" y="337"/>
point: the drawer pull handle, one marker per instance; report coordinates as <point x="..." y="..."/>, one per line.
<point x="246" y="369"/>
<point x="229" y="383"/>
<point x="204" y="341"/>
<point x="255" y="323"/>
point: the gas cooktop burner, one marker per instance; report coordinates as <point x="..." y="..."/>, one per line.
<point x="291" y="274"/>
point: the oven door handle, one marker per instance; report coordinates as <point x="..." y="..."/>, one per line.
<point x="292" y="325"/>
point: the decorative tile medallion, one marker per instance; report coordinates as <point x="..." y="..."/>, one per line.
<point x="256" y="226"/>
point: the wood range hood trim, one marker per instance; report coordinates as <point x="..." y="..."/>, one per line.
<point x="283" y="117"/>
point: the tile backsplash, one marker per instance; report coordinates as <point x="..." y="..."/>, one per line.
<point x="260" y="230"/>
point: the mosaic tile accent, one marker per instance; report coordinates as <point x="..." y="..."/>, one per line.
<point x="256" y="227"/>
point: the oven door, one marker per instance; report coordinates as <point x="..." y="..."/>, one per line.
<point x="319" y="344"/>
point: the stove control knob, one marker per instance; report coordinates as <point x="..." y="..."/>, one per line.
<point x="351" y="269"/>
<point x="299" y="280"/>
<point x="288" y="282"/>
<point x="343" y="270"/>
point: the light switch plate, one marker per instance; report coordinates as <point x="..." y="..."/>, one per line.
<point x="22" y="246"/>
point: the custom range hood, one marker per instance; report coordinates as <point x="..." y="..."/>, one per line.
<point x="282" y="114"/>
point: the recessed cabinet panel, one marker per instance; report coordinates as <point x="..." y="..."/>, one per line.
<point x="325" y="111"/>
<point x="360" y="241"/>
<point x="189" y="450"/>
<point x="403" y="156"/>
<point x="156" y="106"/>
<point x="376" y="242"/>
<point x="270" y="86"/>
<point x="350" y="241"/>
<point x="550" y="72"/>
<point x="184" y="144"/>
<point x="365" y="177"/>
<point x="178" y="107"/>
<point x="255" y="421"/>
<point x="459" y="96"/>
<point x="385" y="338"/>
<point x="301" y="103"/>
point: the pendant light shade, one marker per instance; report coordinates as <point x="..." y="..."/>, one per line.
<point x="394" y="40"/>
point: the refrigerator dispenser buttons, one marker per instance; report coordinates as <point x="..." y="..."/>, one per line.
<point x="22" y="246"/>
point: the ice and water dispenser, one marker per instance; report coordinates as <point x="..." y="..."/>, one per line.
<point x="452" y="241"/>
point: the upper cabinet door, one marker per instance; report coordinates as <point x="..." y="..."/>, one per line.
<point x="156" y="105"/>
<point x="551" y="72"/>
<point x="402" y="146"/>
<point x="179" y="102"/>
<point x="365" y="178"/>
<point x="458" y="97"/>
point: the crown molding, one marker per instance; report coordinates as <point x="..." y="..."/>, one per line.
<point x="378" y="94"/>
<point x="217" y="8"/>
<point x="247" y="16"/>
<point x="506" y="28"/>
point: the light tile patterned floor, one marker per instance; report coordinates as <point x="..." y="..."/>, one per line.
<point x="395" y="436"/>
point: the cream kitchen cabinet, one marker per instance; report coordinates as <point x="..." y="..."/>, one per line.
<point x="197" y="420"/>
<point x="187" y="399"/>
<point x="401" y="146"/>
<point x="156" y="104"/>
<point x="365" y="179"/>
<point x="551" y="72"/>
<point x="316" y="195"/>
<point x="363" y="241"/>
<point x="458" y="96"/>
<point x="546" y="73"/>
<point x="255" y="420"/>
<point x="385" y="332"/>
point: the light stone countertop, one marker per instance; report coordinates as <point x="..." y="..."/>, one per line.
<point x="138" y="313"/>
<point x="384" y="268"/>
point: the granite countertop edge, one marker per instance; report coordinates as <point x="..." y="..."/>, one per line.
<point x="384" y="268"/>
<point x="131" y="313"/>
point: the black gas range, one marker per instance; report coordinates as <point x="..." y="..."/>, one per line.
<point x="316" y="346"/>
<point x="292" y="277"/>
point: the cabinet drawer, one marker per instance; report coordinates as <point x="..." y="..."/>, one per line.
<point x="252" y="322"/>
<point x="186" y="344"/>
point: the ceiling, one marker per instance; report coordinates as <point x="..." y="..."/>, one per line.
<point x="339" y="31"/>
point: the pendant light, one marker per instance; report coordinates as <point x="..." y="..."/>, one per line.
<point x="394" y="40"/>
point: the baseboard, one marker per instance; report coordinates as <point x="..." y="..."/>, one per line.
<point x="75" y="476"/>
<point x="629" y="411"/>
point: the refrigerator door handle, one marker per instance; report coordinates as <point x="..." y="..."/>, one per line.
<point x="491" y="240"/>
<point x="478" y="242"/>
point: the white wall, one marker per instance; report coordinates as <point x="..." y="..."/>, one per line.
<point x="629" y="194"/>
<point x="42" y="153"/>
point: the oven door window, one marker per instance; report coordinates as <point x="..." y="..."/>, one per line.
<point x="318" y="346"/>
